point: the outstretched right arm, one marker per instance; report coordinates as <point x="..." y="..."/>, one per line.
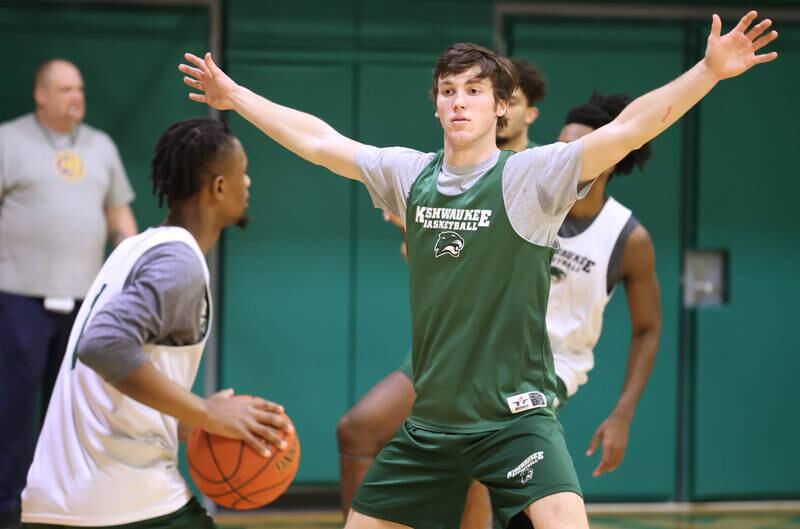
<point x="305" y="135"/>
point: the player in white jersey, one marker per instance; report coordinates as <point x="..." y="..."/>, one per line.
<point x="107" y="455"/>
<point x="601" y="244"/>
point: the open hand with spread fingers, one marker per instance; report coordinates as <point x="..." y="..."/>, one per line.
<point x="204" y="75"/>
<point x="734" y="53"/>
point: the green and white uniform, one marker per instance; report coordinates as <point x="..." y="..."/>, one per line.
<point x="480" y="241"/>
<point x="585" y="269"/>
<point x="478" y="303"/>
<point x="406" y="367"/>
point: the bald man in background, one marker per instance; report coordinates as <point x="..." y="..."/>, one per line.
<point x="63" y="194"/>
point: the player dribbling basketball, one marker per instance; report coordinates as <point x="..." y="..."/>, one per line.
<point x="107" y="455"/>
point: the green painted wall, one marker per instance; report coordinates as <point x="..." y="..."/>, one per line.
<point x="287" y="293"/>
<point x="746" y="422"/>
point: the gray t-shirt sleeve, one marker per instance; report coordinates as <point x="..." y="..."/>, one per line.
<point x="540" y="185"/>
<point x="120" y="192"/>
<point x="163" y="301"/>
<point x="390" y="173"/>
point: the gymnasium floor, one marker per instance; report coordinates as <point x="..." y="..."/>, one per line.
<point x="778" y="517"/>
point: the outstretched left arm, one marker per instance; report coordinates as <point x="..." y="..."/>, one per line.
<point x="648" y="116"/>
<point x="644" y="306"/>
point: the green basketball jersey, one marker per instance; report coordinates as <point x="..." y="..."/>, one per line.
<point x="478" y="301"/>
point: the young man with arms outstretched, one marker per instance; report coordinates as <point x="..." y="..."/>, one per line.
<point x="481" y="226"/>
<point x="600" y="245"/>
<point x="371" y="423"/>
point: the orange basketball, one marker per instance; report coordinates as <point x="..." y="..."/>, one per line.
<point x="234" y="475"/>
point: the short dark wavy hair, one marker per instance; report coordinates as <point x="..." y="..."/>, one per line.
<point x="462" y="56"/>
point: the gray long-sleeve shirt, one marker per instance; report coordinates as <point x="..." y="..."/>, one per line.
<point x="163" y="301"/>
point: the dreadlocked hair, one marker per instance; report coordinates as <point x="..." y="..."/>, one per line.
<point x="531" y="81"/>
<point x="183" y="157"/>
<point x="601" y="110"/>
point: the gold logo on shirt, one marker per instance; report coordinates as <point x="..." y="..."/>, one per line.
<point x="69" y="166"/>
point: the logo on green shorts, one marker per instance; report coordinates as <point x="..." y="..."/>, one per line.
<point x="525" y="469"/>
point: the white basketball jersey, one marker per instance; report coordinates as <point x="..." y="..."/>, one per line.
<point x="579" y="294"/>
<point x="103" y="458"/>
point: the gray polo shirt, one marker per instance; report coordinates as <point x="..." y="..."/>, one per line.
<point x="54" y="189"/>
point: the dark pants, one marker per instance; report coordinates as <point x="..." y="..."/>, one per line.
<point x="32" y="344"/>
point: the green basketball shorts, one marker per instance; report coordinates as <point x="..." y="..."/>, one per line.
<point x="420" y="479"/>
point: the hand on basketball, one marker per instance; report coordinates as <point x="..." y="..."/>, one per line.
<point x="613" y="435"/>
<point x="252" y="419"/>
<point x="734" y="53"/>
<point x="205" y="76"/>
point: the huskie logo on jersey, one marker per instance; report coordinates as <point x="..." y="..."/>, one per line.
<point x="567" y="261"/>
<point x="526" y="401"/>
<point x="449" y="243"/>
<point x="452" y="218"/>
<point x="525" y="469"/>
